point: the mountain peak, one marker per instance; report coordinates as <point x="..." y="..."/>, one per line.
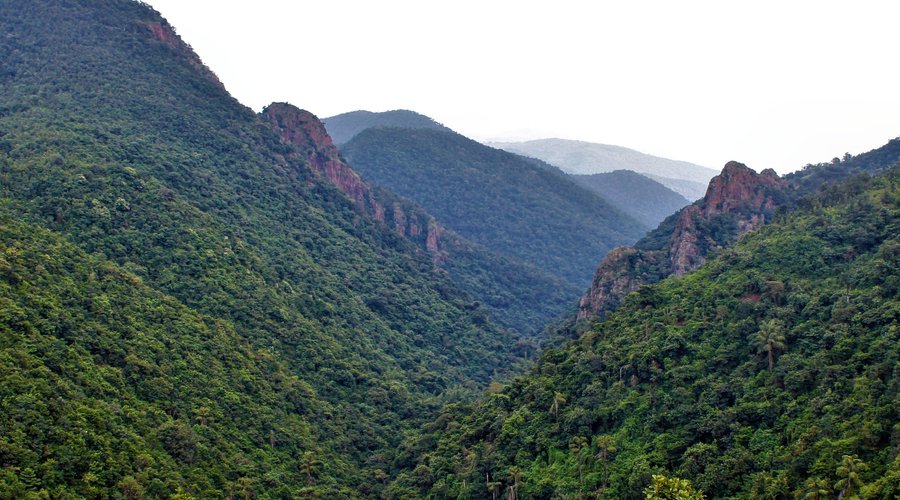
<point x="299" y="127"/>
<point x="745" y="197"/>
<point x="739" y="186"/>
<point x="346" y="126"/>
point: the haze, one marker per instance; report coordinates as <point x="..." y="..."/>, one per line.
<point x="771" y="84"/>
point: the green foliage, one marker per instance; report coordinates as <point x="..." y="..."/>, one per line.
<point x="495" y="198"/>
<point x="666" y="488"/>
<point x="680" y="381"/>
<point x="184" y="310"/>
<point x="643" y="198"/>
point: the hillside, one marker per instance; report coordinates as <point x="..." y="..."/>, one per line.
<point x="737" y="201"/>
<point x="189" y="306"/>
<point x="494" y="198"/>
<point x="517" y="295"/>
<point x="770" y="372"/>
<point x="345" y="126"/>
<point x="644" y="199"/>
<point x="585" y="158"/>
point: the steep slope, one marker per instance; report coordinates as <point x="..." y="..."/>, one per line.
<point x="771" y="372"/>
<point x="118" y="142"/>
<point x="644" y="199"/>
<point x="518" y="295"/>
<point x="737" y="201"/>
<point x="345" y="126"/>
<point x="584" y="158"/>
<point x="495" y="198"/>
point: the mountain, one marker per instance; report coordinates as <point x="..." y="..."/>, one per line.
<point x="769" y="372"/>
<point x="518" y="295"/>
<point x="345" y="126"/>
<point x="644" y="199"/>
<point x="584" y="158"/>
<point x="737" y="201"/>
<point x="189" y="305"/>
<point x="497" y="199"/>
<point x="813" y="177"/>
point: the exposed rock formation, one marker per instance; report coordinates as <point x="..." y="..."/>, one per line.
<point x="737" y="201"/>
<point x="307" y="135"/>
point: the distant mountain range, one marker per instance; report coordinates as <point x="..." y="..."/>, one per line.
<point x="637" y="195"/>
<point x="580" y="157"/>
<point x="345" y="126"/>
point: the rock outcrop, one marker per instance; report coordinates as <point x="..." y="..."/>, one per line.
<point x="737" y="201"/>
<point x="307" y="136"/>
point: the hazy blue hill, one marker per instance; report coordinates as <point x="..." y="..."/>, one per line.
<point x="771" y="372"/>
<point x="584" y="158"/>
<point x="187" y="306"/>
<point x="345" y="126"/>
<point x="496" y="198"/>
<point x="641" y="197"/>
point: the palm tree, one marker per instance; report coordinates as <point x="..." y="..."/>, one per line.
<point x="309" y="465"/>
<point x="848" y="472"/>
<point x="492" y="486"/>
<point x="606" y="444"/>
<point x="770" y="339"/>
<point x="515" y="473"/>
<point x="815" y="489"/>
<point x="579" y="446"/>
<point x="558" y="400"/>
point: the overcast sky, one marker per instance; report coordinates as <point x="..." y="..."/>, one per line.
<point x="770" y="83"/>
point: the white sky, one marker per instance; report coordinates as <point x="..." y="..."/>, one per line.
<point x="770" y="83"/>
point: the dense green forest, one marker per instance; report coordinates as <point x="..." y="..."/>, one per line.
<point x="643" y="198"/>
<point x="187" y="306"/>
<point x="516" y="294"/>
<point x="768" y="373"/>
<point x="189" y="310"/>
<point x="495" y="198"/>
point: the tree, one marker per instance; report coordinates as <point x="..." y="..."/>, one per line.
<point x="815" y="489"/>
<point x="664" y="488"/>
<point x="558" y="400"/>
<point x="606" y="445"/>
<point x="770" y="339"/>
<point x="515" y="474"/>
<point x="579" y="447"/>
<point x="848" y="472"/>
<point x="309" y="465"/>
<point x="492" y="486"/>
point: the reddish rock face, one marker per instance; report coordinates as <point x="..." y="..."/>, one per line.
<point x="737" y="192"/>
<point x="304" y="131"/>
<point x="740" y="188"/>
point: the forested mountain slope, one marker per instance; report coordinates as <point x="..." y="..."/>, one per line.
<point x="517" y="295"/>
<point x="770" y="372"/>
<point x="345" y="126"/>
<point x="497" y="199"/>
<point x="737" y="201"/>
<point x="643" y="198"/>
<point x="187" y="304"/>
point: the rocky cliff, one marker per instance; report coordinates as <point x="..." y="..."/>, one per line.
<point x="307" y="135"/>
<point x="737" y="201"/>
